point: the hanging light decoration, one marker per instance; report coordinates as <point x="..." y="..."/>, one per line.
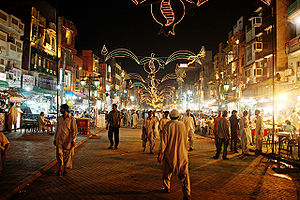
<point x="169" y="13"/>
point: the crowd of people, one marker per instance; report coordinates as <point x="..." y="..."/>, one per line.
<point x="175" y="133"/>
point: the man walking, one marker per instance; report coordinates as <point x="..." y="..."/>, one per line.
<point x="259" y="132"/>
<point x="190" y="127"/>
<point x="148" y="132"/>
<point x="65" y="135"/>
<point x="245" y="133"/>
<point x="113" y="126"/>
<point x="234" y="126"/>
<point x="216" y="128"/>
<point x="223" y="134"/>
<point x="135" y="119"/>
<point x="4" y="146"/>
<point x="12" y="117"/>
<point x="174" y="155"/>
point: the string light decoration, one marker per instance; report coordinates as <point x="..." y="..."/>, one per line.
<point x="168" y="13"/>
<point x="178" y="55"/>
<point x="154" y="91"/>
<point x="267" y="2"/>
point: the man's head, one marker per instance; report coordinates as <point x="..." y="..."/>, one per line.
<point x="225" y="113"/>
<point x="188" y="112"/>
<point x="257" y="112"/>
<point x="114" y="106"/>
<point x="64" y="109"/>
<point x="174" y="114"/>
<point x="150" y="113"/>
<point x="42" y="114"/>
<point x="245" y="113"/>
<point x="220" y="113"/>
<point x="166" y="114"/>
<point x="234" y="112"/>
<point x="12" y="104"/>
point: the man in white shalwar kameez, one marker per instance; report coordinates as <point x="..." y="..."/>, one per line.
<point x="64" y="139"/>
<point x="162" y="123"/>
<point x="135" y="120"/>
<point x="148" y="132"/>
<point x="245" y="133"/>
<point x="259" y="132"/>
<point x="294" y="119"/>
<point x="174" y="155"/>
<point x="190" y="127"/>
<point x="12" y="115"/>
<point x="156" y="123"/>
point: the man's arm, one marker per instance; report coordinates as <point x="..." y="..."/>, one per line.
<point x="56" y="130"/>
<point x="163" y="144"/>
<point x="108" y="120"/>
<point x="74" y="131"/>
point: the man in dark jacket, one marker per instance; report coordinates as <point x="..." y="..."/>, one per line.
<point x="113" y="126"/>
<point x="234" y="126"/>
<point x="223" y="133"/>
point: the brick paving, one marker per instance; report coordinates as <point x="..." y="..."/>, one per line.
<point x="129" y="173"/>
<point x="27" y="154"/>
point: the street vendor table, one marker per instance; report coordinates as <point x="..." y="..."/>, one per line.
<point x="266" y="132"/>
<point x="30" y="124"/>
<point x="83" y="125"/>
<point x="281" y="137"/>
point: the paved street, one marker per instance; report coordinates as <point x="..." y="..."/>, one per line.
<point x="27" y="154"/>
<point x="128" y="173"/>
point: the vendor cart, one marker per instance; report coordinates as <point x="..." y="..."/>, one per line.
<point x="83" y="125"/>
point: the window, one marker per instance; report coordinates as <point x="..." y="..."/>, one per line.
<point x="53" y="44"/>
<point x="259" y="72"/>
<point x="39" y="61"/>
<point x="19" y="44"/>
<point x="68" y="37"/>
<point x="21" y="26"/>
<point x="2" y="61"/>
<point x="13" y="47"/>
<point x="14" y="21"/>
<point x="3" y="16"/>
<point x="2" y="37"/>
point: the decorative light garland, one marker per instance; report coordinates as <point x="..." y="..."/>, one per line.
<point x="163" y="12"/>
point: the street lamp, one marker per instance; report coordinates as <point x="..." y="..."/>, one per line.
<point x="89" y="79"/>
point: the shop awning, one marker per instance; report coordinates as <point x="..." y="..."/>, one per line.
<point x="40" y="90"/>
<point x="4" y="84"/>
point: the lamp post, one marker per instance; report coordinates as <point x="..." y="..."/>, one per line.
<point x="96" y="82"/>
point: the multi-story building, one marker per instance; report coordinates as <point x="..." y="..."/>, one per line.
<point x="39" y="60"/>
<point x="66" y="52"/>
<point x="11" y="50"/>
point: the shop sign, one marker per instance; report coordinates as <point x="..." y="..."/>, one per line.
<point x="15" y="99"/>
<point x="13" y="77"/>
<point x="45" y="82"/>
<point x="2" y="77"/>
<point x="68" y="92"/>
<point x="28" y="81"/>
<point x="292" y="45"/>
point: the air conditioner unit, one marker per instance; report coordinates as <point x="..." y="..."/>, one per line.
<point x="258" y="46"/>
<point x="257" y="21"/>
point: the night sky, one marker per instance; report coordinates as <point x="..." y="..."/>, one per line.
<point x="122" y="24"/>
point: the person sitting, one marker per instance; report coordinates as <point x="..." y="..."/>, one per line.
<point x="44" y="124"/>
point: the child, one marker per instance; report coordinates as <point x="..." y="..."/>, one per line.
<point x="4" y="146"/>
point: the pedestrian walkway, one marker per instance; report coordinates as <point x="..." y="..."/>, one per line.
<point x="27" y="154"/>
<point x="128" y="173"/>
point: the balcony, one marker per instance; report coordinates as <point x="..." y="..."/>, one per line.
<point x="292" y="45"/>
<point x="294" y="12"/>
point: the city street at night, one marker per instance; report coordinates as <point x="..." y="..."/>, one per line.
<point x="150" y="99"/>
<point x="129" y="173"/>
